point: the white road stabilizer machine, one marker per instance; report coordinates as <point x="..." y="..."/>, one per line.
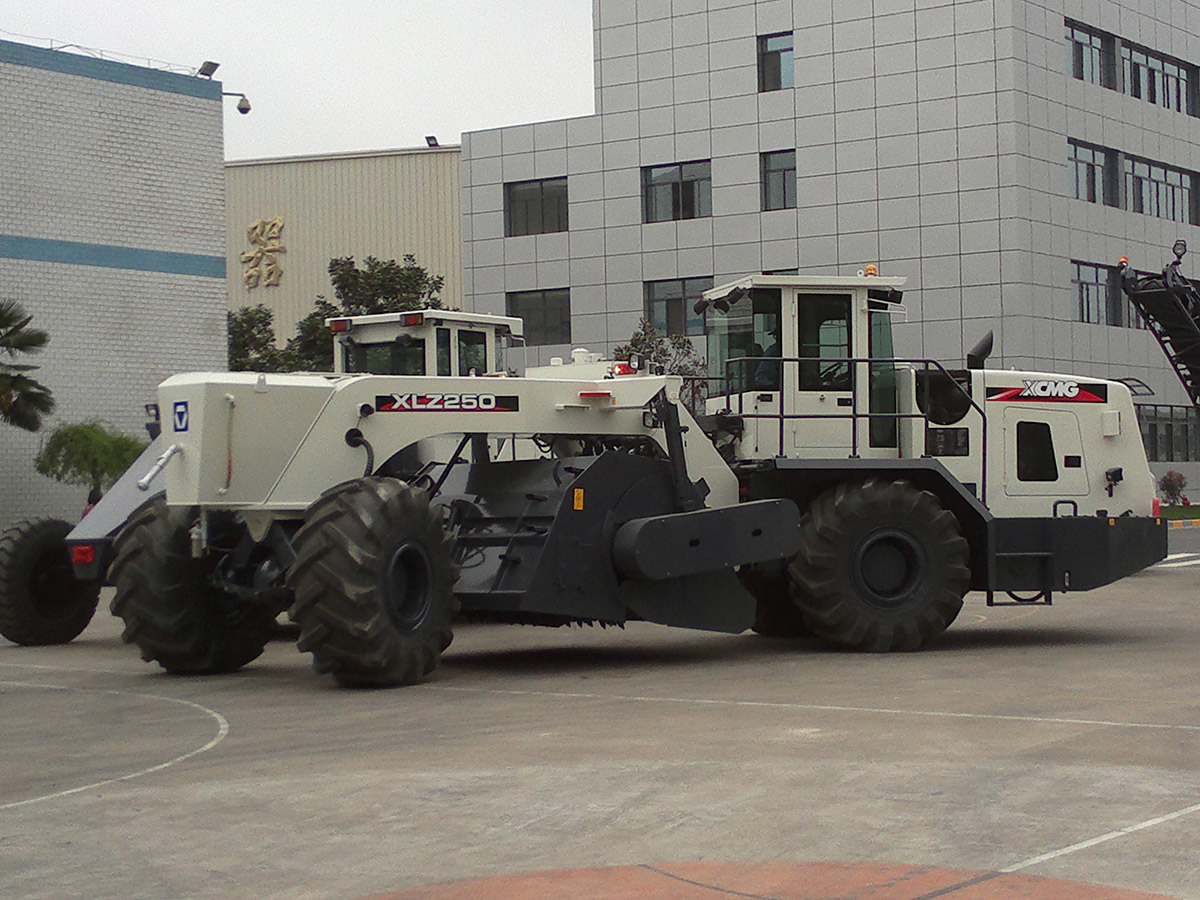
<point x="827" y="488"/>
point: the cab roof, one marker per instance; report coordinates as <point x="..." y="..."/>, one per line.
<point x="511" y="324"/>
<point x="809" y="282"/>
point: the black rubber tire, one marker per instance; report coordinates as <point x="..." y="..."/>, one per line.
<point x="41" y="600"/>
<point x="775" y="612"/>
<point x="373" y="581"/>
<point x="882" y="566"/>
<point x="172" y="612"/>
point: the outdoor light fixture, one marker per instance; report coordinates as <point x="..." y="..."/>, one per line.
<point x="243" y="105"/>
<point x="207" y="68"/>
<point x="431" y="140"/>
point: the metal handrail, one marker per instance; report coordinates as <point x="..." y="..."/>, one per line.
<point x="853" y="414"/>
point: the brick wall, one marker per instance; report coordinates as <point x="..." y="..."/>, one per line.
<point x="120" y="168"/>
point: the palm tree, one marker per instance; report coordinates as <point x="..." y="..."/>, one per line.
<point x="23" y="400"/>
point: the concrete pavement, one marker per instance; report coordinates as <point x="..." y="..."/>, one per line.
<point x="1059" y="742"/>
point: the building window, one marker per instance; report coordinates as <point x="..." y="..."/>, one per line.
<point x="1091" y="173"/>
<point x="779" y="180"/>
<point x="1155" y="78"/>
<point x="776" y="67"/>
<point x="1090" y="54"/>
<point x="1092" y="286"/>
<point x="535" y="207"/>
<point x="1158" y="190"/>
<point x="1099" y="299"/>
<point x="670" y="305"/>
<point x="679" y="191"/>
<point x="547" y="315"/>
<point x="1170" y="433"/>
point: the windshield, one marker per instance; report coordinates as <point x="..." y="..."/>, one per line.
<point x="405" y="357"/>
<point x="749" y="330"/>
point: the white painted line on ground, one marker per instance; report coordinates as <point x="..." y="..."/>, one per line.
<point x="222" y="731"/>
<point x="1112" y="835"/>
<point x="1182" y="564"/>
<point x="1171" y="556"/>
<point x="69" y="669"/>
<point x="815" y="707"/>
<point x="1049" y="720"/>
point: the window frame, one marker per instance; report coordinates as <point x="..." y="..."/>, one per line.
<point x="539" y="333"/>
<point x="542" y="214"/>
<point x="669" y="185"/>
<point x="770" y="172"/>
<point x="677" y="307"/>
<point x="776" y="64"/>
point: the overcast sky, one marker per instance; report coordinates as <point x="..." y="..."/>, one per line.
<point x="333" y="75"/>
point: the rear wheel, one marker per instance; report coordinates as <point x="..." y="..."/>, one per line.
<point x="41" y="600"/>
<point x="372" y="582"/>
<point x="172" y="610"/>
<point x="882" y="566"/>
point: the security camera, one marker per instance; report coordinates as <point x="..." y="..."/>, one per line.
<point x="243" y="106"/>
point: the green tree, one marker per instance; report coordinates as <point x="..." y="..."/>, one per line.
<point x="252" y="340"/>
<point x="89" y="454"/>
<point x="380" y="287"/>
<point x="673" y="354"/>
<point x="377" y="287"/>
<point x="23" y="399"/>
<point x="311" y="349"/>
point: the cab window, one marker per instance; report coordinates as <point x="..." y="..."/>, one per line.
<point x="1035" y="452"/>
<point x="824" y="339"/>
<point x="750" y="332"/>
<point x="472" y="352"/>
<point x="443" y="351"/>
<point x="401" y="357"/>
<point x="882" y="398"/>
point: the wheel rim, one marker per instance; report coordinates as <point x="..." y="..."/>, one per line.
<point x="887" y="567"/>
<point x="409" y="584"/>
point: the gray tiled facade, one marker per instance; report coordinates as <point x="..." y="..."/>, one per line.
<point x="931" y="138"/>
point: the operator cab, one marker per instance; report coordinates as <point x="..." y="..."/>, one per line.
<point x="806" y="361"/>
<point x="423" y="342"/>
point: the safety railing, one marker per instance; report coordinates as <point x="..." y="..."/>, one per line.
<point x="843" y="374"/>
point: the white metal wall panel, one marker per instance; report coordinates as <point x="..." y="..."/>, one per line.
<point x="383" y="204"/>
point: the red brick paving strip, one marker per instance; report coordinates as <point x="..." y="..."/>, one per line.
<point x="765" y="881"/>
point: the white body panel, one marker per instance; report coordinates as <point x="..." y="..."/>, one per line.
<point x="275" y="442"/>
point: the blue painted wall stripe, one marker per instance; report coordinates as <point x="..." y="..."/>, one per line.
<point x="108" y="70"/>
<point x="108" y="256"/>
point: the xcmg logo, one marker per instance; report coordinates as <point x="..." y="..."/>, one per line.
<point x="1067" y="389"/>
<point x="1048" y="389"/>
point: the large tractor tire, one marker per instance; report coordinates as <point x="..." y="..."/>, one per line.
<point x="372" y="582"/>
<point x="882" y="566"/>
<point x="172" y="611"/>
<point x="776" y="614"/>
<point x="41" y="600"/>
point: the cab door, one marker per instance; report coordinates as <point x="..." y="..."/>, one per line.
<point x="820" y="395"/>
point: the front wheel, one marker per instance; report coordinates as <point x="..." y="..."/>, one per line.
<point x="41" y="600"/>
<point x="882" y="566"/>
<point x="372" y="584"/>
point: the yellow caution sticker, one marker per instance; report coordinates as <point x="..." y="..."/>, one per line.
<point x="578" y="499"/>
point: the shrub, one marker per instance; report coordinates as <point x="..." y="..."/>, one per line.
<point x="1171" y="487"/>
<point x="89" y="454"/>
